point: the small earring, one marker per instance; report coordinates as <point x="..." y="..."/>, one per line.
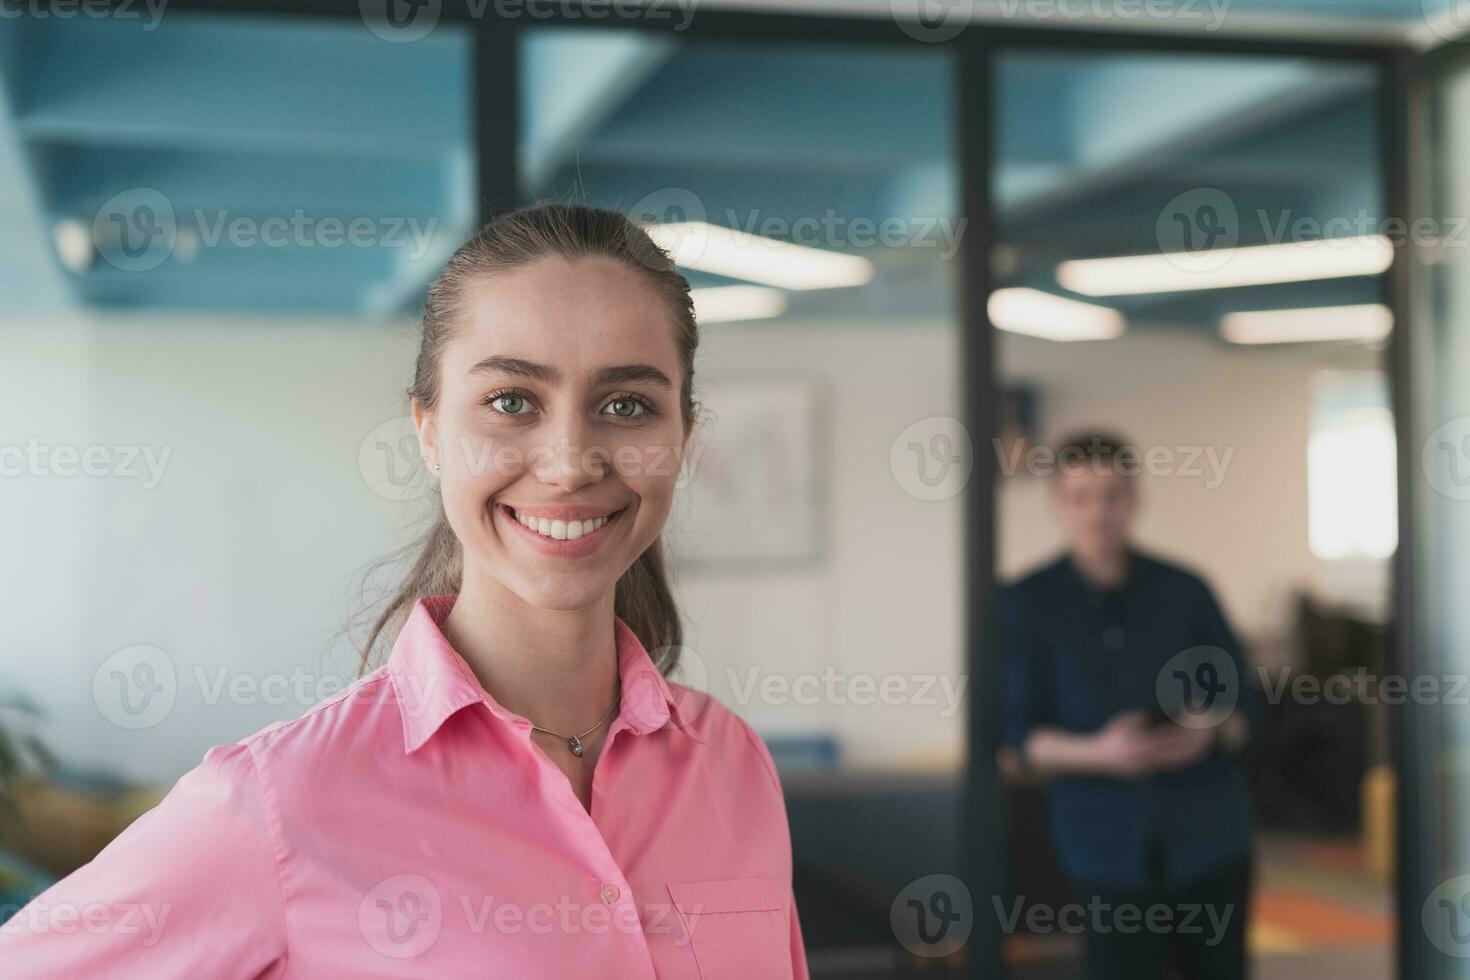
<point x="436" y="467"/>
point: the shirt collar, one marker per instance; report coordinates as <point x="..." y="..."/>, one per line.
<point x="432" y="681"/>
<point x="1128" y="584"/>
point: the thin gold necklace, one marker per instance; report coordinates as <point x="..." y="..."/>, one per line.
<point x="574" y="742"/>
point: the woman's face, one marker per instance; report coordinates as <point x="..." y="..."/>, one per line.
<point x="559" y="405"/>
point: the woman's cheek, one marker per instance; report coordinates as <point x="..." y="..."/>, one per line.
<point x="654" y="455"/>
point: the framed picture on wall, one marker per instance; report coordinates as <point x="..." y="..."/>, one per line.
<point x="750" y="488"/>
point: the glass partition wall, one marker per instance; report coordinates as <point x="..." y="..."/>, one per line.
<point x="1188" y="257"/>
<point x="1437" y="465"/>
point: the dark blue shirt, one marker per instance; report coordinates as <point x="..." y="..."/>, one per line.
<point x="1075" y="656"/>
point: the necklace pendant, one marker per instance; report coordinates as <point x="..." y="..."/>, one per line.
<point x="575" y="744"/>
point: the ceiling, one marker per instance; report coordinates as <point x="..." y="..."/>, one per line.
<point x="220" y="163"/>
<point x="1091" y="148"/>
<point x="218" y="130"/>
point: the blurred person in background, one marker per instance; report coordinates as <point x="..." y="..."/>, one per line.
<point x="1126" y="688"/>
<point x="440" y="817"/>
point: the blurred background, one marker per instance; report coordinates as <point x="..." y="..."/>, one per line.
<point x="926" y="239"/>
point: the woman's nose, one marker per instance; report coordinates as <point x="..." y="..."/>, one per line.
<point x="571" y="456"/>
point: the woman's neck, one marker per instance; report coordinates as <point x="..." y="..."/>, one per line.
<point x="558" y="668"/>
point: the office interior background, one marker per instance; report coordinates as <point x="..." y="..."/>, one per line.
<point x="1235" y="232"/>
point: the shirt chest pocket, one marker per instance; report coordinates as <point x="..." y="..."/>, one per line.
<point x="738" y="928"/>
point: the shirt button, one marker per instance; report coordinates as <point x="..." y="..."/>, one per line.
<point x="1112" y="638"/>
<point x="610" y="893"/>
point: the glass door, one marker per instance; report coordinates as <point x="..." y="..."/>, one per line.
<point x="1190" y="306"/>
<point x="1436" y="905"/>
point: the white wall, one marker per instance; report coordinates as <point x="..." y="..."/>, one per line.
<point x="242" y="557"/>
<point x="886" y="600"/>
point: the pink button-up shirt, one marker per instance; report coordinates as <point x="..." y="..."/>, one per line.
<point x="408" y="827"/>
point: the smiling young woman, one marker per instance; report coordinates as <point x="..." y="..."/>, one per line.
<point x="517" y="791"/>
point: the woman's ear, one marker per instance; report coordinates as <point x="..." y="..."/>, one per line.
<point x="423" y="423"/>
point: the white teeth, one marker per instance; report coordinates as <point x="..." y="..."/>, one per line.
<point x="561" y="530"/>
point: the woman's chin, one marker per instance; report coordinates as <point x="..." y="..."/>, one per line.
<point x="561" y="591"/>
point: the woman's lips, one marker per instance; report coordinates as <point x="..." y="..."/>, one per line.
<point x="589" y="533"/>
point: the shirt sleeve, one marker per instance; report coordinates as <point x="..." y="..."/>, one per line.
<point x="190" y="889"/>
<point x="799" y="969"/>
<point x="1024" y="691"/>
<point x="1218" y="633"/>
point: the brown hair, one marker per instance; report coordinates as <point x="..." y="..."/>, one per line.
<point x="643" y="599"/>
<point x="1099" y="450"/>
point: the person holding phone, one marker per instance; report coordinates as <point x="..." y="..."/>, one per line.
<point x="1126" y="688"/>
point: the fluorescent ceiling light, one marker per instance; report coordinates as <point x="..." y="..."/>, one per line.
<point x="1258" y="265"/>
<point x="737" y="255"/>
<point x="74" y="246"/>
<point x="721" y="304"/>
<point x="1371" y="321"/>
<point x="1040" y="314"/>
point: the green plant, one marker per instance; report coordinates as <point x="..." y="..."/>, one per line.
<point x="21" y="752"/>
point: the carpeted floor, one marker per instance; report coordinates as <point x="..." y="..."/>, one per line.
<point x="1318" y="913"/>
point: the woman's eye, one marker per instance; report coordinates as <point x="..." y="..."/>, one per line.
<point x="509" y="404"/>
<point x="626" y="408"/>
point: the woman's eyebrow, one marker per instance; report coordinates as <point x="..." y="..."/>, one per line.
<point x="633" y="374"/>
<point x="616" y="374"/>
<point x="505" y="364"/>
